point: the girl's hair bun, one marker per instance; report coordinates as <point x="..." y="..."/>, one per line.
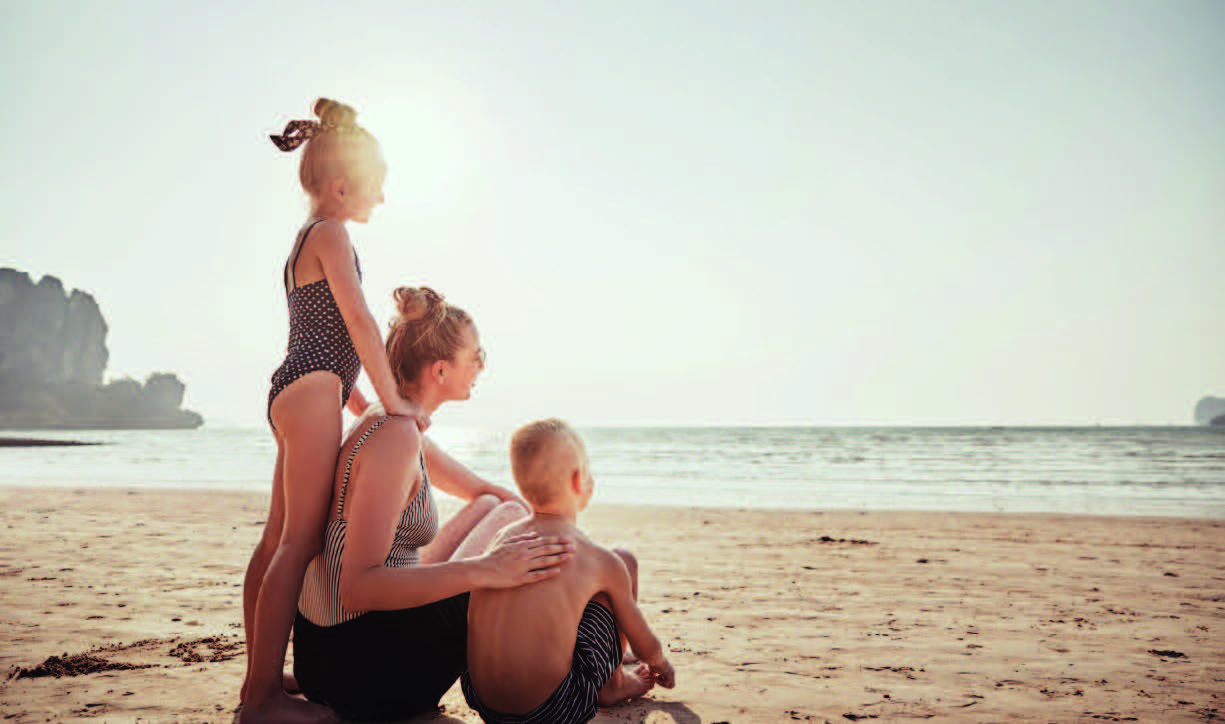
<point x="334" y="114"/>
<point x="420" y="303"/>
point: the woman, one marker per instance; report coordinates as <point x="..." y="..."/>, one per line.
<point x="381" y="630"/>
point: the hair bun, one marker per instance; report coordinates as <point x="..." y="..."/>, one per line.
<point x="416" y="303"/>
<point x="334" y="114"/>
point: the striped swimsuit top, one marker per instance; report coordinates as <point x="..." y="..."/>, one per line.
<point x="418" y="524"/>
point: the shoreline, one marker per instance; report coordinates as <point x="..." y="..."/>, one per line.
<point x="44" y="442"/>
<point x="767" y="616"/>
<point x="241" y="489"/>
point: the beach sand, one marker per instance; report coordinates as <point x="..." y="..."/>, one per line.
<point x="767" y="616"/>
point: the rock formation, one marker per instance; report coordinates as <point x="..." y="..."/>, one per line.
<point x="52" y="356"/>
<point x="1207" y="409"/>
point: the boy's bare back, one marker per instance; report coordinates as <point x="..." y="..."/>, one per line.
<point x="520" y="640"/>
<point x="549" y="646"/>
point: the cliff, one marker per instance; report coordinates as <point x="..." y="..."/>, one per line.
<point x="52" y="357"/>
<point x="1209" y="408"/>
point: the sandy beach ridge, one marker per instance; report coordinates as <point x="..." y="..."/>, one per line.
<point x="768" y="616"/>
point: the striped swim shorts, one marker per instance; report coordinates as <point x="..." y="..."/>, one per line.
<point x="597" y="654"/>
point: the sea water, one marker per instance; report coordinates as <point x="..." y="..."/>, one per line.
<point x="1169" y="471"/>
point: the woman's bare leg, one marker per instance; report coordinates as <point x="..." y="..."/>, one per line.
<point x="308" y="415"/>
<point x="262" y="555"/>
<point x="469" y="531"/>
<point x="482" y="534"/>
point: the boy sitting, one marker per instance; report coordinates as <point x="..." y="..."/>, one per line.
<point x="551" y="651"/>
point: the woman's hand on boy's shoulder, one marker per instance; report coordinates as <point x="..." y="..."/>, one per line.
<point x="525" y="558"/>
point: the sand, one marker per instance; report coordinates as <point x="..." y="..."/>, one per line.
<point x="767" y="616"/>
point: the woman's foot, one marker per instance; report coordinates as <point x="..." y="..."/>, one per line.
<point x="285" y="709"/>
<point x="624" y="685"/>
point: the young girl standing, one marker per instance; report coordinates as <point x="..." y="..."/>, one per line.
<point x="330" y="331"/>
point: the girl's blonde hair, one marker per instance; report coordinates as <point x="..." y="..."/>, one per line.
<point x="341" y="148"/>
<point x="427" y="329"/>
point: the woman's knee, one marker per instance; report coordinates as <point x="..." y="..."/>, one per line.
<point x="509" y="511"/>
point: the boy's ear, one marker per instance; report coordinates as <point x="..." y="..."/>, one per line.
<point x="576" y="481"/>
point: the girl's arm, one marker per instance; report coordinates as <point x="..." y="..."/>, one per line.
<point x="330" y="242"/>
<point x="384" y="477"/>
<point x="451" y="476"/>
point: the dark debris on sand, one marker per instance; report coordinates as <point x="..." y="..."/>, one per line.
<point x="848" y="541"/>
<point x="220" y="649"/>
<point x="75" y="665"/>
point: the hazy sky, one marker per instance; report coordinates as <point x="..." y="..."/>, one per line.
<point x="661" y="211"/>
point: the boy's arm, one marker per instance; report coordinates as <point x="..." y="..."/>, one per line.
<point x="619" y="587"/>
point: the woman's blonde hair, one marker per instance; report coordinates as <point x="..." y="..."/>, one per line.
<point x="425" y="330"/>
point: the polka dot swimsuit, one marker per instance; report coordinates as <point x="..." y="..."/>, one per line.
<point x="318" y="337"/>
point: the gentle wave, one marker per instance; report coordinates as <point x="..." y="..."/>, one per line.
<point x="1177" y="471"/>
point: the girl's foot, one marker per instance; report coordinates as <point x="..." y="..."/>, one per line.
<point x="624" y="685"/>
<point x="285" y="709"/>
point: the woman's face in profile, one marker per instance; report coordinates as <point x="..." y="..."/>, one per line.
<point x="467" y="366"/>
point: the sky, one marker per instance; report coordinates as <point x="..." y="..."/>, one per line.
<point x="658" y="212"/>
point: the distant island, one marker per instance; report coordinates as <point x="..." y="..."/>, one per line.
<point x="52" y="356"/>
<point x="1210" y="411"/>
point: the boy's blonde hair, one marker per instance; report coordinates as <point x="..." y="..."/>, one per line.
<point x="543" y="456"/>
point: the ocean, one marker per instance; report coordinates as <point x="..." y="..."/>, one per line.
<point x="1166" y="471"/>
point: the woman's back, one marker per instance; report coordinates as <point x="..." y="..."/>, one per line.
<point x="320" y="601"/>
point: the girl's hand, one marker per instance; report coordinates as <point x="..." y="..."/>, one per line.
<point x="405" y="408"/>
<point x="524" y="559"/>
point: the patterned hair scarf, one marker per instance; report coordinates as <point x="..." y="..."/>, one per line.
<point x="299" y="132"/>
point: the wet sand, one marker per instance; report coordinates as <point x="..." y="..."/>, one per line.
<point x="126" y="606"/>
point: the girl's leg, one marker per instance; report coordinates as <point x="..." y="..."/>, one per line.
<point x="262" y="555"/>
<point x="308" y="415"/>
<point x="485" y="515"/>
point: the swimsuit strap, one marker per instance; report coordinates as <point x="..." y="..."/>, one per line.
<point x="344" y="485"/>
<point x="290" y="282"/>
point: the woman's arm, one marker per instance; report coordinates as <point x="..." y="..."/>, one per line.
<point x="452" y="476"/>
<point x="330" y="242"/>
<point x="384" y="477"/>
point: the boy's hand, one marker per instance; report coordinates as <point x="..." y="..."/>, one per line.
<point x="405" y="408"/>
<point x="663" y="673"/>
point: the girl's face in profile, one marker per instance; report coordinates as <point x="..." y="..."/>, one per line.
<point x="366" y="191"/>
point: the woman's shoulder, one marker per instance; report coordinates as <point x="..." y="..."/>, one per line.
<point x="384" y="436"/>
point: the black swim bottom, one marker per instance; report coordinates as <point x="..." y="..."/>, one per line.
<point x="597" y="654"/>
<point x="383" y="665"/>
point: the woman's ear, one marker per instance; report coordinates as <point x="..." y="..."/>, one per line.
<point x="439" y="370"/>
